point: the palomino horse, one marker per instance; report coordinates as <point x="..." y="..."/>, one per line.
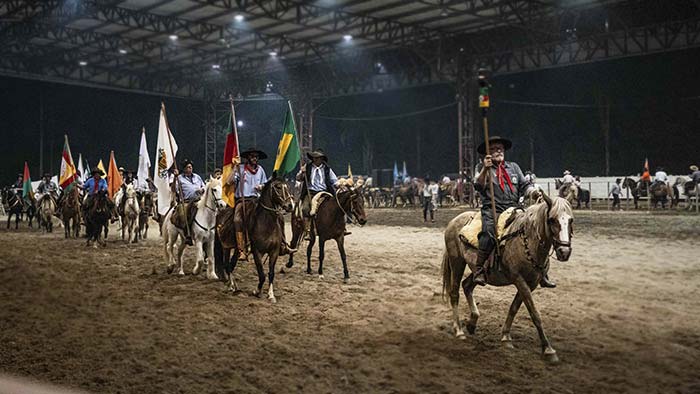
<point x="569" y="193"/>
<point x="202" y="232"/>
<point x="329" y="223"/>
<point x="47" y="208"/>
<point x="70" y="212"/>
<point x="524" y="261"/>
<point x="146" y="203"/>
<point x="689" y="189"/>
<point x="96" y="218"/>
<point x="130" y="214"/>
<point x="265" y="230"/>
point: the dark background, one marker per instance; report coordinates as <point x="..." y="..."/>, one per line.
<point x="655" y="102"/>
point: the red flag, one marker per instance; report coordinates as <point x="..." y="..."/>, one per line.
<point x="231" y="158"/>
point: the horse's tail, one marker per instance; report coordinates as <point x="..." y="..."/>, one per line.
<point x="446" y="274"/>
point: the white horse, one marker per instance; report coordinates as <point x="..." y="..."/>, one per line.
<point x="132" y="210"/>
<point x="47" y="208"/>
<point x="202" y="232"/>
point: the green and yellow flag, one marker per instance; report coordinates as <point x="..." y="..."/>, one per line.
<point x="288" y="154"/>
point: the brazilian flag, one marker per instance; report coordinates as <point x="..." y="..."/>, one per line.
<point x="288" y="154"/>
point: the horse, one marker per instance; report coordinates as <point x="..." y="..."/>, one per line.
<point x="634" y="188"/>
<point x="47" y="208"/>
<point x="265" y="227"/>
<point x="97" y="218"/>
<point x="146" y="203"/>
<point x="406" y="193"/>
<point x="130" y="214"/>
<point x="70" y="212"/>
<point x="659" y="192"/>
<point x="448" y="191"/>
<point x="689" y="190"/>
<point x="524" y="251"/>
<point x="329" y="223"/>
<point x="15" y="206"/>
<point x="202" y="232"/>
<point x="570" y="193"/>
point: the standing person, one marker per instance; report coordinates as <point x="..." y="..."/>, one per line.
<point x="615" y="191"/>
<point x="509" y="185"/>
<point x="192" y="188"/>
<point x="427" y="196"/>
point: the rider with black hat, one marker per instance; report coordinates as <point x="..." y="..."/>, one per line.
<point x="509" y="185"/>
<point x="316" y="177"/>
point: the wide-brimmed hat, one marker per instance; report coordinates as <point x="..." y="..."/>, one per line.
<point x="261" y="155"/>
<point x="121" y="169"/>
<point x="494" y="139"/>
<point x="567" y="172"/>
<point x="186" y="162"/>
<point x="317" y="153"/>
<point x="96" y="170"/>
<point x="693" y="168"/>
<point x="46" y="175"/>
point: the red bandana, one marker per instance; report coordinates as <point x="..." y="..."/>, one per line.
<point x="250" y="169"/>
<point x="502" y="175"/>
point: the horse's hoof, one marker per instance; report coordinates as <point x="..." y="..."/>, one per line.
<point x="460" y="335"/>
<point x="320" y="276"/>
<point x="181" y="273"/>
<point x="550" y="356"/>
<point x="212" y="277"/>
<point x="346" y="280"/>
<point x="169" y="269"/>
<point x="471" y="328"/>
<point x="289" y="264"/>
<point x="282" y="271"/>
<point x="273" y="300"/>
<point x="256" y="293"/>
<point x="309" y="272"/>
<point x="507" y="344"/>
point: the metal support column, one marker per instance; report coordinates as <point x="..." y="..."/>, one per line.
<point x="210" y="132"/>
<point x="466" y="111"/>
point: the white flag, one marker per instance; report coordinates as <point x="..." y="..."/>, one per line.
<point x="165" y="157"/>
<point x="81" y="169"/>
<point x="144" y="164"/>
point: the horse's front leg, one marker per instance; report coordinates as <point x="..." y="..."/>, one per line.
<point x="180" y="248"/>
<point x="310" y="248"/>
<point x="506" y="339"/>
<point x="211" y="265"/>
<point x="296" y="237"/>
<point x="271" y="275"/>
<point x="468" y="287"/>
<point x="550" y="355"/>
<point x="321" y="255"/>
<point x="457" y="267"/>
<point x="198" y="246"/>
<point x="341" y="248"/>
<point x="261" y="273"/>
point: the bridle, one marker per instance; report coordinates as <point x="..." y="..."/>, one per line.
<point x="351" y="197"/>
<point x="284" y="197"/>
<point x="215" y="198"/>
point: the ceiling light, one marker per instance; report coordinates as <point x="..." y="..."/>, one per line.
<point x="238" y="18"/>
<point x="273" y="54"/>
<point x="347" y="37"/>
<point x="240" y="123"/>
<point x="216" y="66"/>
<point x="173" y="37"/>
<point x="122" y="51"/>
<point x="82" y="63"/>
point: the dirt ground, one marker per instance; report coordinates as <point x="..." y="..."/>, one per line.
<point x="624" y="317"/>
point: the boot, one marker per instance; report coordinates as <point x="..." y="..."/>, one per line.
<point x="479" y="274"/>
<point x="307" y="229"/>
<point x="240" y="243"/>
<point x="546" y="283"/>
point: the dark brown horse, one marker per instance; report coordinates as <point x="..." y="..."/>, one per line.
<point x="70" y="212"/>
<point x="265" y="230"/>
<point x="146" y="204"/>
<point x="97" y="218"/>
<point x="524" y="260"/>
<point x="329" y="223"/>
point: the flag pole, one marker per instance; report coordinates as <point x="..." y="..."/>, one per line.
<point x="296" y="135"/>
<point x="484" y="86"/>
<point x="170" y="141"/>
<point x="241" y="182"/>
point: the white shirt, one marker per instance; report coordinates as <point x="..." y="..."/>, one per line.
<point x="446" y="179"/>
<point x="661" y="176"/>
<point x="250" y="181"/>
<point x="568" y="179"/>
<point x="318" y="182"/>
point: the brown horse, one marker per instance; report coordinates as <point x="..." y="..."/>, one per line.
<point x="329" y="223"/>
<point x="524" y="260"/>
<point x="266" y="231"/>
<point x="70" y="212"/>
<point x="146" y="204"/>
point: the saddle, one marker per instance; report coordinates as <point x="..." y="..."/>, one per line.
<point x="184" y="214"/>
<point x="471" y="230"/>
<point x="317" y="200"/>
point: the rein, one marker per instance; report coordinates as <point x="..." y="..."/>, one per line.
<point x="276" y="209"/>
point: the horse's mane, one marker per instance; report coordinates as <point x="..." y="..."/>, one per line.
<point x="207" y="190"/>
<point x="533" y="222"/>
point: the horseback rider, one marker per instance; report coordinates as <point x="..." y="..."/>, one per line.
<point x="509" y="184"/>
<point x="316" y="176"/>
<point x="18" y="186"/>
<point x="47" y="187"/>
<point x="695" y="174"/>
<point x="192" y="188"/>
<point x="660" y="177"/>
<point x="120" y="198"/>
<point x="92" y="186"/>
<point x="568" y="179"/>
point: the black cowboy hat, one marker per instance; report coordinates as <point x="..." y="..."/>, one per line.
<point x="261" y="154"/>
<point x="133" y="173"/>
<point x="317" y="153"/>
<point x="96" y="170"/>
<point x="186" y="162"/>
<point x="494" y="139"/>
<point x="46" y="175"/>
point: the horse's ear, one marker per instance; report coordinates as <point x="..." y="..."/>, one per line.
<point x="547" y="200"/>
<point x="274" y="174"/>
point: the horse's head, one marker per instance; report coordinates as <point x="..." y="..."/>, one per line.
<point x="560" y="221"/>
<point x="352" y="202"/>
<point x="215" y="190"/>
<point x="130" y="191"/>
<point x="279" y="194"/>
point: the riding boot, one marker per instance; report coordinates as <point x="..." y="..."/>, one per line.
<point x="241" y="245"/>
<point x="307" y="229"/>
<point x="546" y="283"/>
<point x="479" y="274"/>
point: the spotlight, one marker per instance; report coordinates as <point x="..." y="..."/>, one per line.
<point x="273" y="54"/>
<point x="122" y="51"/>
<point x="347" y="37"/>
<point x="238" y="18"/>
<point x="173" y="37"/>
<point x="82" y="63"/>
<point x="240" y="123"/>
<point x="444" y="12"/>
<point x="379" y="65"/>
<point x="216" y="66"/>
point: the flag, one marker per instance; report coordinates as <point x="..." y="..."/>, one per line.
<point x="27" y="190"/>
<point x="288" y="154"/>
<point x="166" y="149"/>
<point x="405" y="173"/>
<point x="349" y="172"/>
<point x="396" y="172"/>
<point x="114" y="177"/>
<point x="231" y="158"/>
<point x="144" y="163"/>
<point x="646" y="164"/>
<point x="67" y="175"/>
<point x="81" y="169"/>
<point x="102" y="167"/>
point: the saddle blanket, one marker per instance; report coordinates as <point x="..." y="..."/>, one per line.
<point x="317" y="200"/>
<point x="471" y="230"/>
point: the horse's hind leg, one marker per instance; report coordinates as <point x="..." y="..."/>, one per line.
<point x="456" y="275"/>
<point x="310" y="248"/>
<point x="321" y="255"/>
<point x="468" y="286"/>
<point x="506" y="339"/>
<point x="550" y="355"/>
<point x="341" y="248"/>
<point x="261" y="273"/>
